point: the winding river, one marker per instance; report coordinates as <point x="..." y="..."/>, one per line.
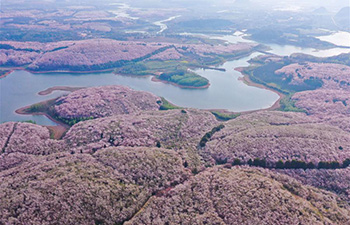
<point x="162" y="24"/>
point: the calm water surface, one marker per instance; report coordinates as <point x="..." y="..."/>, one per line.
<point x="341" y="38"/>
<point x="225" y="92"/>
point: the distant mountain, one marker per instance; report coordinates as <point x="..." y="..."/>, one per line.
<point x="342" y="18"/>
<point x="343" y="13"/>
<point x="321" y="10"/>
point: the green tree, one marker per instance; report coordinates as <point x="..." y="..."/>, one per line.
<point x="236" y="162"/>
<point x="221" y="161"/>
<point x="310" y="165"/>
<point x="346" y="163"/>
<point x="287" y="164"/>
<point x="335" y="165"/>
<point x="280" y="164"/>
<point x="250" y="162"/>
<point x="323" y="165"/>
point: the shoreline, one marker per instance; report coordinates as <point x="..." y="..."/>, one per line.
<point x="6" y="74"/>
<point x="47" y="92"/>
<point x="112" y="70"/>
<point x="246" y="79"/>
<point x="22" y="111"/>
<point x="57" y="131"/>
<point x="69" y="71"/>
<point x="50" y="90"/>
<point x="154" y="79"/>
<point x="12" y="69"/>
<point x="61" y="128"/>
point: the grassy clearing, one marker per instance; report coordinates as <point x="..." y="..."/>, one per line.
<point x="288" y="105"/>
<point x="165" y="105"/>
<point x="264" y="73"/>
<point x="225" y="116"/>
<point x="28" y="121"/>
<point x="48" y="108"/>
<point x="175" y="71"/>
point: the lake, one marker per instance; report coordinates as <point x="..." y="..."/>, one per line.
<point x="340" y="38"/>
<point x="286" y="50"/>
<point x="225" y="92"/>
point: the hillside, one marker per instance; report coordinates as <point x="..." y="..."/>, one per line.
<point x="124" y="57"/>
<point x="174" y="112"/>
<point x="145" y="166"/>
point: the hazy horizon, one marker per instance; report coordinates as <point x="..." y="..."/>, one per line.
<point x="292" y="5"/>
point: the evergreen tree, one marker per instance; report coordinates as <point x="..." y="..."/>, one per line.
<point x="236" y="162"/>
<point x="310" y="165"/>
<point x="346" y="163"/>
<point x="280" y="164"/>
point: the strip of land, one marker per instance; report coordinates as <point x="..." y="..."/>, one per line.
<point x="171" y="60"/>
<point x="59" y="88"/>
<point x="57" y="131"/>
<point x="5" y="73"/>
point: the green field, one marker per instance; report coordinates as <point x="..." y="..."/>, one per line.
<point x="264" y="73"/>
<point x="173" y="71"/>
<point x="225" y="116"/>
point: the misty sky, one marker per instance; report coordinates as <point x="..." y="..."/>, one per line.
<point x="332" y="5"/>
